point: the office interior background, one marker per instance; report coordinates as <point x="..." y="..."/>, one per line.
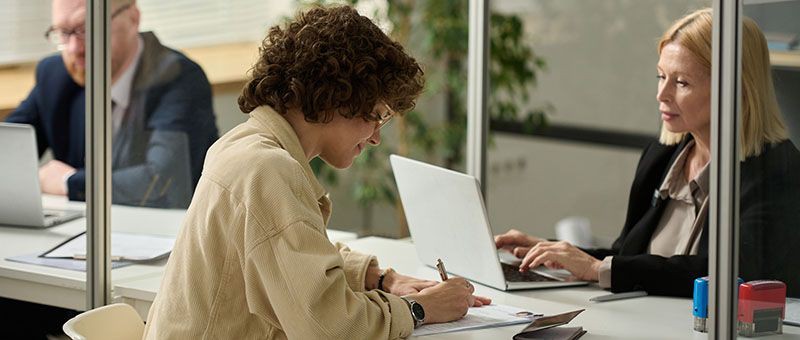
<point x="590" y="105"/>
<point x="597" y="80"/>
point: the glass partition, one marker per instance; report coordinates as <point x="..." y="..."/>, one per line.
<point x="769" y="161"/>
<point x="579" y="158"/>
<point x="177" y="69"/>
<point x="591" y="110"/>
<point x="223" y="39"/>
<point x="36" y="108"/>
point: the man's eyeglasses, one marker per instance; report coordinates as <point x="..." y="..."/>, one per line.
<point x="60" y="36"/>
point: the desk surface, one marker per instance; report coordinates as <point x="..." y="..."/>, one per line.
<point x="66" y="288"/>
<point x="640" y="318"/>
<point x="225" y="65"/>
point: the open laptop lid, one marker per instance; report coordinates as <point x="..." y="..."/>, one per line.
<point x="20" y="196"/>
<point x="447" y="219"/>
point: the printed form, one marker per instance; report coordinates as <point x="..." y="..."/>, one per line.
<point x="481" y="317"/>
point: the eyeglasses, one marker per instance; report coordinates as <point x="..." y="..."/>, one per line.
<point x="385" y="117"/>
<point x="60" y="36"/>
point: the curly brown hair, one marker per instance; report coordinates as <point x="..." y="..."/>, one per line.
<point x="331" y="59"/>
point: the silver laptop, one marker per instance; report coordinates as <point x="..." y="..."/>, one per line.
<point x="20" y="195"/>
<point x="447" y="220"/>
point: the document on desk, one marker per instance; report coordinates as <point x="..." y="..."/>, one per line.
<point x="124" y="247"/>
<point x="493" y="315"/>
<point x="792" y="312"/>
<point x="69" y="264"/>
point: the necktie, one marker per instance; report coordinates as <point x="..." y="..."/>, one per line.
<point x="116" y="118"/>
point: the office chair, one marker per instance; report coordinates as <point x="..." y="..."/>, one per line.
<point x="117" y="321"/>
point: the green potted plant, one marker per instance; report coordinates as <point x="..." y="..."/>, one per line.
<point x="436" y="31"/>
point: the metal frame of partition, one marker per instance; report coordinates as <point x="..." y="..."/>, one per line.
<point x="98" y="154"/>
<point x="477" y="90"/>
<point x="724" y="203"/>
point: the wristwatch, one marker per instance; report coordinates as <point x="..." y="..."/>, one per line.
<point x="417" y="312"/>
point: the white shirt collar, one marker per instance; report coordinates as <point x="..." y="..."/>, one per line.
<point x="121" y="90"/>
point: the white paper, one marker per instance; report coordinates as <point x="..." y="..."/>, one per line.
<point x="478" y="317"/>
<point x="76" y="265"/>
<point x="792" y="312"/>
<point x="124" y="246"/>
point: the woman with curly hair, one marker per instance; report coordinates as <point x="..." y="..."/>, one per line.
<point x="252" y="259"/>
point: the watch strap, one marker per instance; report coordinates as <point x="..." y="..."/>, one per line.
<point x="411" y="303"/>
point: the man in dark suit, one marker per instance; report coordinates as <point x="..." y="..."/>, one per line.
<point x="162" y="116"/>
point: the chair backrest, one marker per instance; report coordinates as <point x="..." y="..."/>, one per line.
<point x="118" y="321"/>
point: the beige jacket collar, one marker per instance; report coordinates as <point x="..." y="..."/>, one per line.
<point x="274" y="122"/>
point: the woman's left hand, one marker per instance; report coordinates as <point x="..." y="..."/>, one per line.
<point x="402" y="285"/>
<point x="562" y="255"/>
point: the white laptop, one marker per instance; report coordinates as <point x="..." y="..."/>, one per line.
<point x="447" y="220"/>
<point x="20" y="196"/>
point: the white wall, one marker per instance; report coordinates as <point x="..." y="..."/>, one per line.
<point x="179" y="23"/>
<point x="187" y="23"/>
<point x="22" y="31"/>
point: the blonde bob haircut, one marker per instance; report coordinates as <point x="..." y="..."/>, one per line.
<point x="761" y="118"/>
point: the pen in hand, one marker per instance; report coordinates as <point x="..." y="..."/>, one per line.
<point x="478" y="301"/>
<point x="442" y="271"/>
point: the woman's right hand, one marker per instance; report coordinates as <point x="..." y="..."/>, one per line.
<point x="516" y="242"/>
<point x="448" y="300"/>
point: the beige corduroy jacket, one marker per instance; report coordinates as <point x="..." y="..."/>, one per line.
<point x="253" y="261"/>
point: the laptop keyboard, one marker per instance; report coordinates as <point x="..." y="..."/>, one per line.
<point x="512" y="274"/>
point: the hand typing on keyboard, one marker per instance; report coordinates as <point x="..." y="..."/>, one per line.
<point x="562" y="255"/>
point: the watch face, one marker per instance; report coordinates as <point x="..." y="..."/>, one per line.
<point x="418" y="312"/>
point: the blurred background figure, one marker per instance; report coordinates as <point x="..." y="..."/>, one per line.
<point x="162" y="115"/>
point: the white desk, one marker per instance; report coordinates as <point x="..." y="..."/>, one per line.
<point x="640" y="318"/>
<point x="67" y="288"/>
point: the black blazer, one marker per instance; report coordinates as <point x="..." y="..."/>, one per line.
<point x="158" y="152"/>
<point x="769" y="215"/>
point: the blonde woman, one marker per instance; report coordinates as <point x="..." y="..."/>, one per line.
<point x="663" y="246"/>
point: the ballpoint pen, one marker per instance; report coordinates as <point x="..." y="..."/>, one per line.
<point x="440" y="267"/>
